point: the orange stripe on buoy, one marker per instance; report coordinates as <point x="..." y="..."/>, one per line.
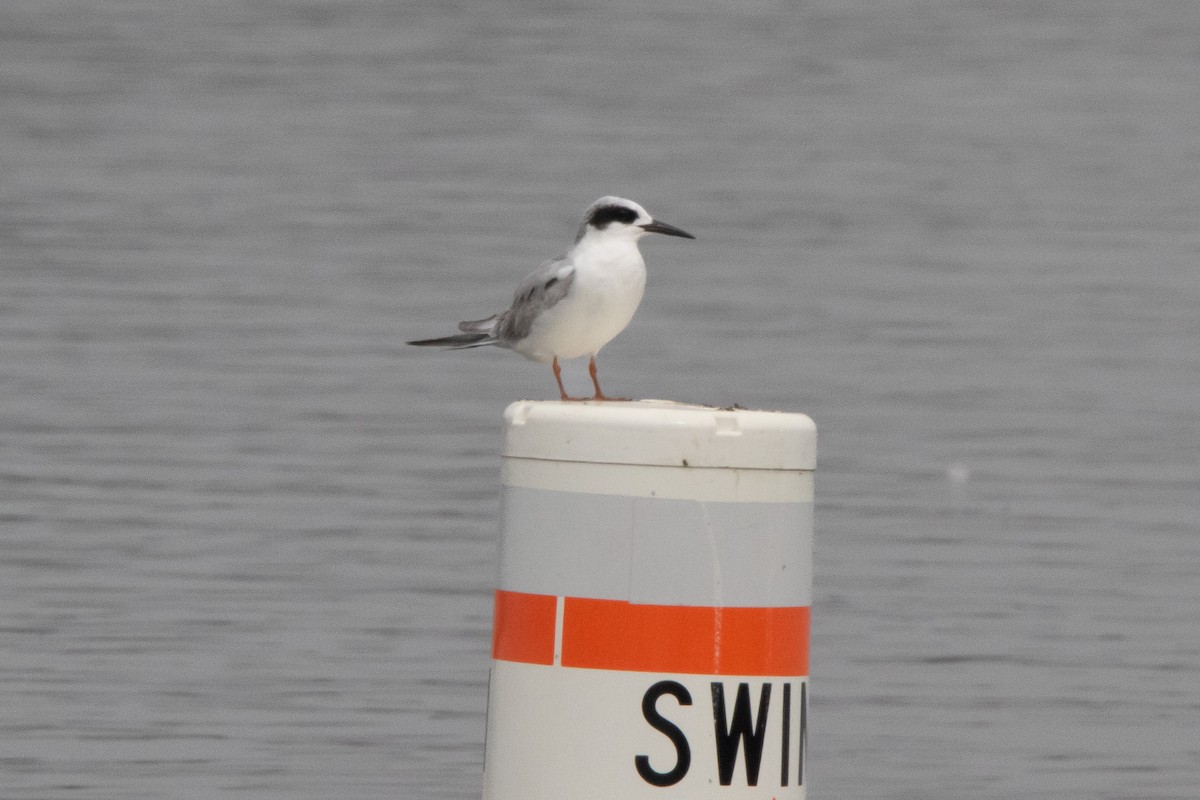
<point x="612" y="634"/>
<point x="523" y="629"/>
<point x="617" y="635"/>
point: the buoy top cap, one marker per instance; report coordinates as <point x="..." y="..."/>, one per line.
<point x="660" y="433"/>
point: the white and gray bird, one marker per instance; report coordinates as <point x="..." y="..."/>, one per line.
<point x="575" y="304"/>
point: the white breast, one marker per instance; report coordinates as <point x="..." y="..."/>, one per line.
<point x="608" y="286"/>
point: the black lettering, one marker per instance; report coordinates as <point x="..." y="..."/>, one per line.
<point x="785" y="749"/>
<point x="683" y="752"/>
<point x="803" y="733"/>
<point x="730" y="734"/>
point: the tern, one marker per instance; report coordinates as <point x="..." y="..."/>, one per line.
<point x="575" y="304"/>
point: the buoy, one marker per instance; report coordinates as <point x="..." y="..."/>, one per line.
<point x="651" y="621"/>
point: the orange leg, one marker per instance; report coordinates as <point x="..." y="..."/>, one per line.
<point x="562" y="393"/>
<point x="596" y="382"/>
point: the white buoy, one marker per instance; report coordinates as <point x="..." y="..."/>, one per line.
<point x="652" y="618"/>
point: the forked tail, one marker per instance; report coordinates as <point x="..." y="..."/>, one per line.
<point x="458" y="341"/>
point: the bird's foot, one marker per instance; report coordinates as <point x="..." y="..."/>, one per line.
<point x="566" y="398"/>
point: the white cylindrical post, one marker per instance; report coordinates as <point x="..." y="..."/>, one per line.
<point x="652" y="616"/>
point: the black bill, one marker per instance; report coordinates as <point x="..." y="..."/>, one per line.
<point x="662" y="227"/>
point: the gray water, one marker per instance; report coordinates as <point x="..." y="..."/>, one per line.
<point x="248" y="536"/>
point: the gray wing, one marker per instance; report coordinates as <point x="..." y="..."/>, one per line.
<point x="540" y="290"/>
